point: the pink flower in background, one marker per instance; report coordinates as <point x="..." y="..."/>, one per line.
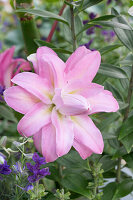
<point x="8" y="65"/>
<point x="57" y="100"/>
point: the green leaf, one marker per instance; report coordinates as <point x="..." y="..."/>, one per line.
<point x="114" y="90"/>
<point x="107" y="163"/>
<point x="7" y="113"/>
<point x="109" y="191"/>
<point x="126" y="128"/>
<point x="128" y="142"/>
<point x="87" y="4"/>
<point x="104" y="23"/>
<point x="47" y="44"/>
<point x="66" y="29"/>
<point x="129" y="159"/>
<point x="124" y="188"/>
<point x="76" y="183"/>
<point x="112" y="71"/>
<point x="125" y="36"/>
<point x="109" y="48"/>
<point x="43" y="13"/>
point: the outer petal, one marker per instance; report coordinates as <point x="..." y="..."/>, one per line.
<point x="82" y="149"/>
<point x="49" y="143"/>
<point x="87" y="134"/>
<point x="32" y="58"/>
<point x="83" y="88"/>
<point x="34" y="120"/>
<point x="64" y="133"/>
<point x="45" y="142"/>
<point x="34" y="84"/>
<point x="75" y="57"/>
<point x="37" y="138"/>
<point x="51" y="67"/>
<point x="103" y="102"/>
<point x="86" y="67"/>
<point x="19" y="99"/>
<point x="5" y="62"/>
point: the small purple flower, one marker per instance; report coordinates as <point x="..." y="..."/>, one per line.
<point x="88" y="44"/>
<point x="18" y="168"/>
<point x="92" y="15"/>
<point x="1" y="45"/>
<point x="1" y="90"/>
<point x="90" y="31"/>
<point x="5" y="169"/>
<point x="27" y="188"/>
<point x="36" y="172"/>
<point x="108" y="35"/>
<point x="109" y="1"/>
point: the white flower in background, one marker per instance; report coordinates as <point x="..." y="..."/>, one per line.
<point x="130" y="11"/>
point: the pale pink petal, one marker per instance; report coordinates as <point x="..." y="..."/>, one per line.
<point x="51" y="67"/>
<point x="103" y="102"/>
<point x="32" y="58"/>
<point x="83" y="88"/>
<point x="19" y="99"/>
<point x="45" y="50"/>
<point x="37" y="138"/>
<point x="49" y="143"/>
<point x="87" y="134"/>
<point x="82" y="149"/>
<point x="75" y="57"/>
<point x="70" y="104"/>
<point x="34" y="84"/>
<point x="34" y="120"/>
<point x="5" y="63"/>
<point x="23" y="65"/>
<point x="64" y="133"/>
<point x="85" y="68"/>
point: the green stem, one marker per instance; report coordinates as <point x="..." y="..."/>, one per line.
<point x="28" y="26"/>
<point x="37" y="184"/>
<point x="118" y="174"/>
<point x="73" y="29"/>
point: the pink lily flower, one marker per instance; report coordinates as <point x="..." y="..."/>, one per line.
<point x="57" y="100"/>
<point x="8" y="65"/>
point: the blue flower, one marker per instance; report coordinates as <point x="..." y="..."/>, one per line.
<point x="18" y="168"/>
<point x="27" y="188"/>
<point x="4" y="168"/>
<point x="36" y="172"/>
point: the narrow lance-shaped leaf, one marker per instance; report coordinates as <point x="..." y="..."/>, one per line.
<point x="112" y="71"/>
<point x="106" y="24"/>
<point x="43" y="13"/>
<point x="125" y="36"/>
<point x="86" y="4"/>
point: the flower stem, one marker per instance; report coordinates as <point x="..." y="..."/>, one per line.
<point x="73" y="28"/>
<point x="118" y="174"/>
<point x="28" y="26"/>
<point x="37" y="184"/>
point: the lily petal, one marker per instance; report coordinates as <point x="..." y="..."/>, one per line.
<point x="75" y="57"/>
<point x="32" y="58"/>
<point x="51" y="67"/>
<point x="37" y="138"/>
<point x="103" y="102"/>
<point x="87" y="134"/>
<point x="64" y="133"/>
<point x="83" y="88"/>
<point x="34" y="120"/>
<point x="19" y="99"/>
<point x="49" y="143"/>
<point x="34" y="84"/>
<point x="85" y="68"/>
<point x="82" y="149"/>
<point x="70" y="104"/>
